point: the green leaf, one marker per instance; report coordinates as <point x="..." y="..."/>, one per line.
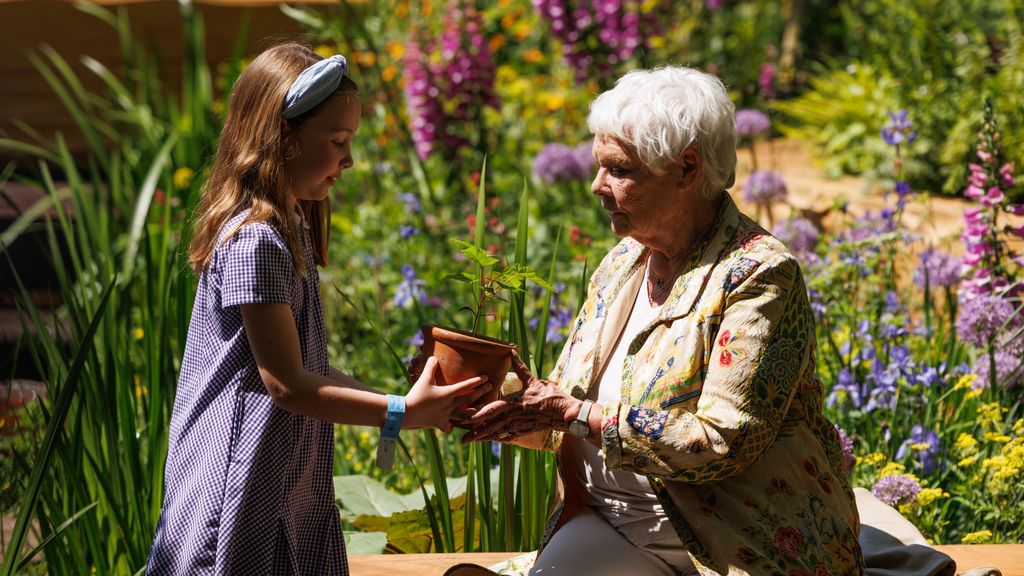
<point x="477" y="255"/>
<point x="366" y="542"/>
<point x="361" y="495"/>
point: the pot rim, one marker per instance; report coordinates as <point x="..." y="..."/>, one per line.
<point x="476" y="338"/>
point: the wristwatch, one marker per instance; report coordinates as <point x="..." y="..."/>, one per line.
<point x="579" y="427"/>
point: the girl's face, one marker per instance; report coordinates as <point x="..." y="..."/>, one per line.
<point x="322" y="148"/>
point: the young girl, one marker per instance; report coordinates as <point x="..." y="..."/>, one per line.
<point x="248" y="478"/>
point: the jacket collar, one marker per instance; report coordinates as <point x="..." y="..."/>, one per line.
<point x="618" y="296"/>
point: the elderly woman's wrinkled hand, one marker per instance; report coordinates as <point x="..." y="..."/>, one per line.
<point x="540" y="406"/>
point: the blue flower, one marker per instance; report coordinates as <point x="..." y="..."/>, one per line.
<point x="927" y="457"/>
<point x="410" y="289"/>
<point x="412" y="203"/>
<point x="899" y="129"/>
<point x="407" y="232"/>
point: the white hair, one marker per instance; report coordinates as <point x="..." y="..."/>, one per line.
<point x="663" y="111"/>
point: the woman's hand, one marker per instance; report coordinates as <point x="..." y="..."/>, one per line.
<point x="429" y="405"/>
<point x="541" y="405"/>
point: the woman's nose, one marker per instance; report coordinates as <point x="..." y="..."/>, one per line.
<point x="598" y="183"/>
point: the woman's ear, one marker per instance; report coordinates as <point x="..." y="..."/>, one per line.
<point x="285" y="126"/>
<point x="689" y="166"/>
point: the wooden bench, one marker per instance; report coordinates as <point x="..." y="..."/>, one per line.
<point x="1009" y="558"/>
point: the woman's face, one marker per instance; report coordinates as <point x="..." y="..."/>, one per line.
<point x="322" y="148"/>
<point x="642" y="204"/>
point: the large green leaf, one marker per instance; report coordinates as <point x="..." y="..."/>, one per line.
<point x="362" y="495"/>
<point x="365" y="542"/>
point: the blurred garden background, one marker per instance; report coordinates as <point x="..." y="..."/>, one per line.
<point x="878" y="139"/>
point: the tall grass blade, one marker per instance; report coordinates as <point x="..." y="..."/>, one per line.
<point x="54" y="427"/>
<point x="142" y="206"/>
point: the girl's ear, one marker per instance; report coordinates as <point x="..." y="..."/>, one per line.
<point x="285" y="127"/>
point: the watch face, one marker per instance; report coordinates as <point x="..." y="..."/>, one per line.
<point x="579" y="429"/>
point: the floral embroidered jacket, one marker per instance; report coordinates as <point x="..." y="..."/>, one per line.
<point x="720" y="407"/>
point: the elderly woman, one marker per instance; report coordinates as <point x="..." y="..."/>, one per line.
<point x="684" y="409"/>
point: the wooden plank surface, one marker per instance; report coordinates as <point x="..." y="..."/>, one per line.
<point x="1009" y="558"/>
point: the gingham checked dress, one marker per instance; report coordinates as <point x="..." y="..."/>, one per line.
<point x="248" y="486"/>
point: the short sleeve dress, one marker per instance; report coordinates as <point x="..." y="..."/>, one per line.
<point x="248" y="486"/>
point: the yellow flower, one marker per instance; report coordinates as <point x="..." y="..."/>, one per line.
<point x="496" y="42"/>
<point x="364" y="437"/>
<point x="139" y="334"/>
<point x="990" y="415"/>
<point x="965" y="443"/>
<point x="396" y="50"/>
<point x="891" y="469"/>
<point x="965" y="462"/>
<point x="183" y="177"/>
<point x="965" y="382"/>
<point x="657" y="42"/>
<point x="324" y="51"/>
<point x="648" y="5"/>
<point x="552" y="101"/>
<point x="928" y="495"/>
<point x="389" y="73"/>
<point x="1018" y="427"/>
<point x="873" y="459"/>
<point x="533" y="55"/>
<point x="979" y="537"/>
<point x="997" y="437"/>
<point x="920" y="446"/>
<point x="366" y="58"/>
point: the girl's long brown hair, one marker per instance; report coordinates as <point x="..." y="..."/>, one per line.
<point x="248" y="169"/>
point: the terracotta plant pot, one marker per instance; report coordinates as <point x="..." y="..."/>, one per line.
<point x="463" y="355"/>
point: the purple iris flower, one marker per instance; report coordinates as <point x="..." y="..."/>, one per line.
<point x="899" y="130"/>
<point x="410" y="289"/>
<point x="407" y="232"/>
<point x="926" y="458"/>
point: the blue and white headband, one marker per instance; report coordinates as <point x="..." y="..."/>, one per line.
<point x="314" y="85"/>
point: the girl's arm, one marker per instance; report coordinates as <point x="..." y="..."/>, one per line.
<point x="350" y="382"/>
<point x="274" y="340"/>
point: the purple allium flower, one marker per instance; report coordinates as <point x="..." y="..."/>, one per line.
<point x="764" y="187"/>
<point x="584" y="153"/>
<point x="714" y="4"/>
<point x="896" y="489"/>
<point x="1009" y="370"/>
<point x="899" y="129"/>
<point x="980" y="319"/>
<point x="410" y="289"/>
<point x="750" y="123"/>
<point x="559" y="163"/>
<point x="847" y="445"/>
<point x="926" y="458"/>
<point x="940" y="268"/>
<point x="799" y="234"/>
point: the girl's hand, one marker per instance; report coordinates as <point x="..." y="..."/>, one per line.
<point x="541" y="405"/>
<point x="428" y="405"/>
